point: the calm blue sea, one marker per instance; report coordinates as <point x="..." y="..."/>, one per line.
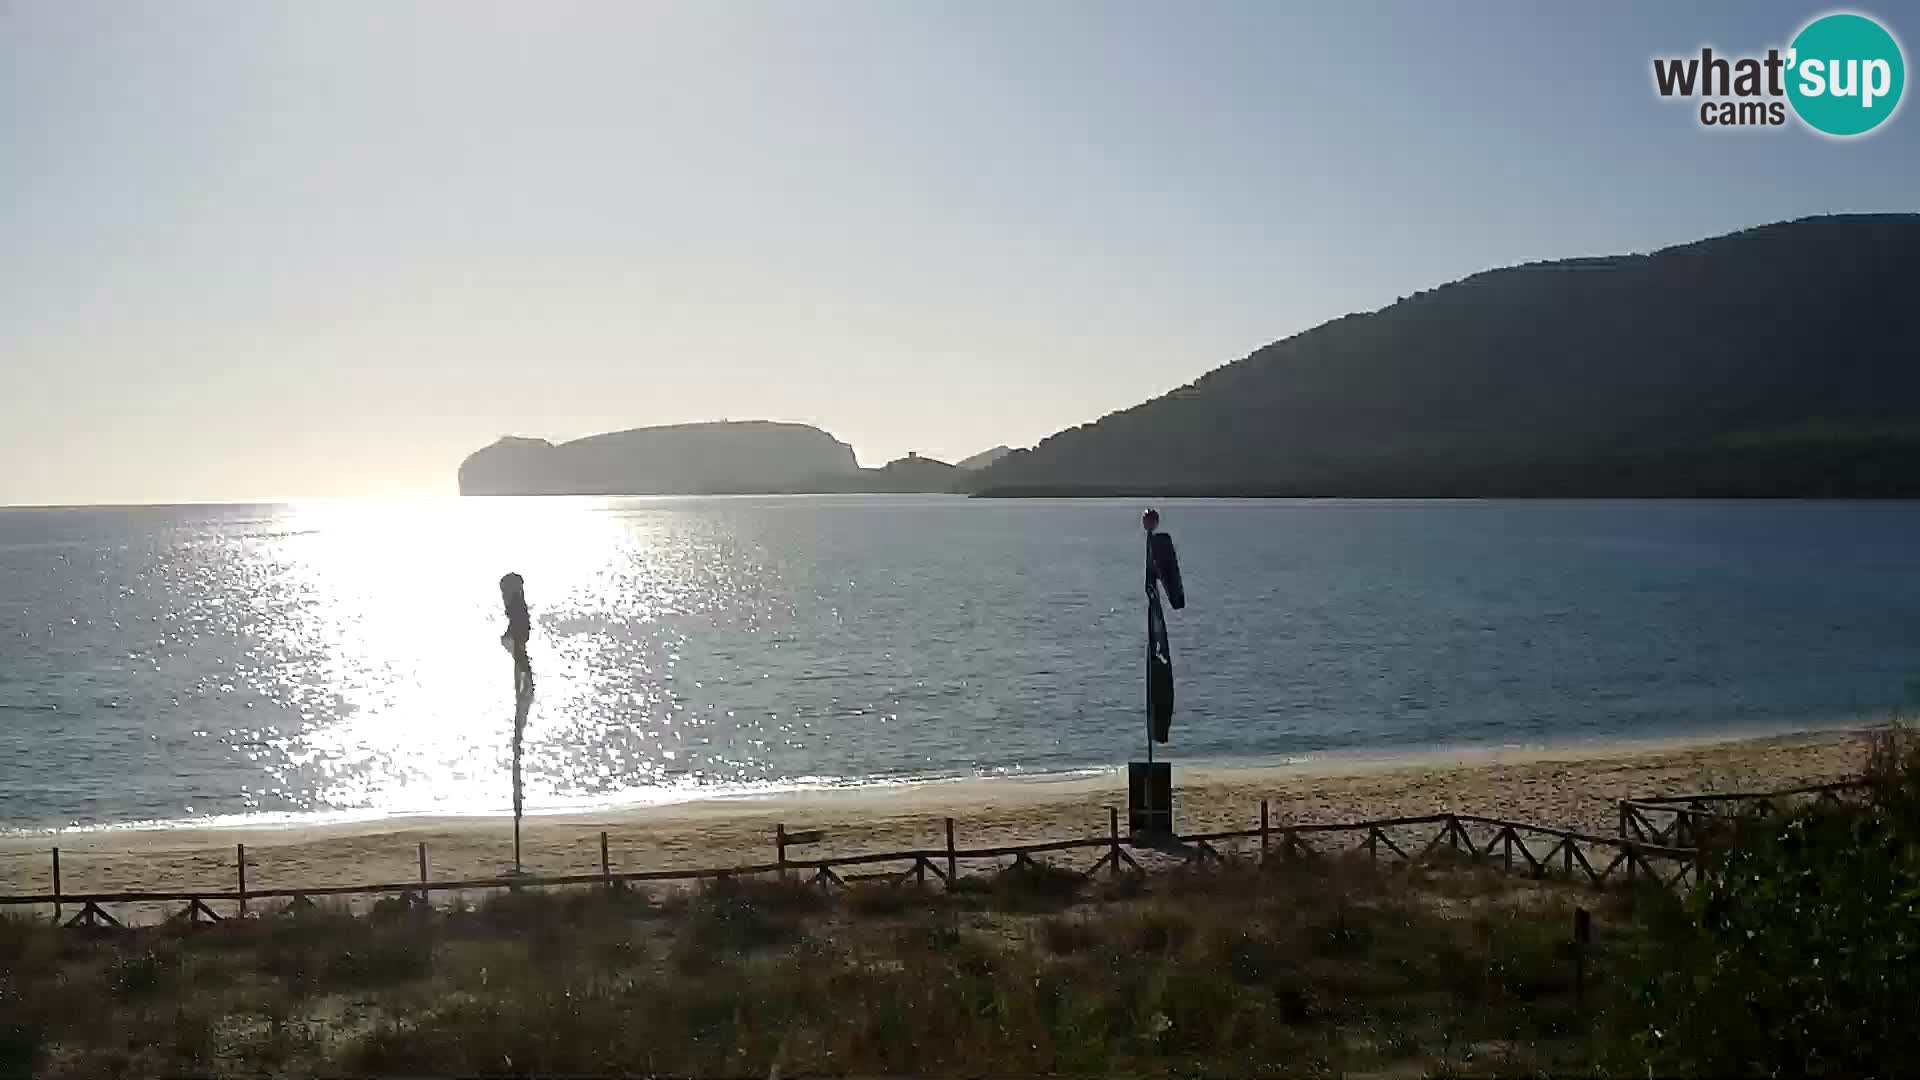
<point x="180" y="663"/>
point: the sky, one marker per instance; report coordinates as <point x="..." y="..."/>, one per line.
<point x="261" y="250"/>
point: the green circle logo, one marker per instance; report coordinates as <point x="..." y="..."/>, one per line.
<point x="1845" y="74"/>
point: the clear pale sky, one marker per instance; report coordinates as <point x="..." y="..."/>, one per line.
<point x="274" y="249"/>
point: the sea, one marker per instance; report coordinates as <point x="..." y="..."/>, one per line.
<point x="333" y="660"/>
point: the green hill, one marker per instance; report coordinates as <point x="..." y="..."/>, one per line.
<point x="1782" y="360"/>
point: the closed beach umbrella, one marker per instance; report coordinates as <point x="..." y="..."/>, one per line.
<point x="1163" y="572"/>
<point x="513" y="596"/>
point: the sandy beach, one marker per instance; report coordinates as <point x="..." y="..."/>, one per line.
<point x="1569" y="787"/>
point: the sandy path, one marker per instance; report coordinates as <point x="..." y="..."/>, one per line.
<point x="1571" y="787"/>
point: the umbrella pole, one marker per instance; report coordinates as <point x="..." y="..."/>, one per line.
<point x="523" y="702"/>
<point x="519" y="628"/>
<point x="516" y="805"/>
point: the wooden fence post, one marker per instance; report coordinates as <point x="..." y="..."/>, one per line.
<point x="423" y="872"/>
<point x="952" y="874"/>
<point x="240" y="868"/>
<point x="1113" y="843"/>
<point x="1582" y="933"/>
<point x="1265" y="827"/>
<point x="56" y="885"/>
<point x="780" y="848"/>
<point x="606" y="864"/>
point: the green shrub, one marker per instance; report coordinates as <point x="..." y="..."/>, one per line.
<point x="140" y="972"/>
<point x="1064" y="935"/>
<point x="22" y="1035"/>
<point x="27" y="946"/>
<point x="1036" y="886"/>
<point x="1801" y="953"/>
<point x="380" y="958"/>
<point x="875" y="899"/>
<point x="194" y="1039"/>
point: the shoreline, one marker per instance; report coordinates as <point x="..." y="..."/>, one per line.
<point x="1340" y="761"/>
<point x="1569" y="786"/>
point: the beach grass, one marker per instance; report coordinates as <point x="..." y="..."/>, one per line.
<point x="1237" y="969"/>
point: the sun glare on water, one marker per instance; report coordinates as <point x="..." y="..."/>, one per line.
<point x="381" y="622"/>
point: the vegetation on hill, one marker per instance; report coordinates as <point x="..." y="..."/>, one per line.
<point x="912" y="473"/>
<point x="1775" y="361"/>
<point x="984" y="458"/>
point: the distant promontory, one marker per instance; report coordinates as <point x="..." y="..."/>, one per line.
<point x="680" y="459"/>
<point x="721" y="458"/>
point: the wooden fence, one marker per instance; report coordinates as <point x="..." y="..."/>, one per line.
<point x="1519" y="847"/>
<point x="1682" y="820"/>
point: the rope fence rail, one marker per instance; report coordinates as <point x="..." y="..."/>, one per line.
<point x="1639" y="852"/>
